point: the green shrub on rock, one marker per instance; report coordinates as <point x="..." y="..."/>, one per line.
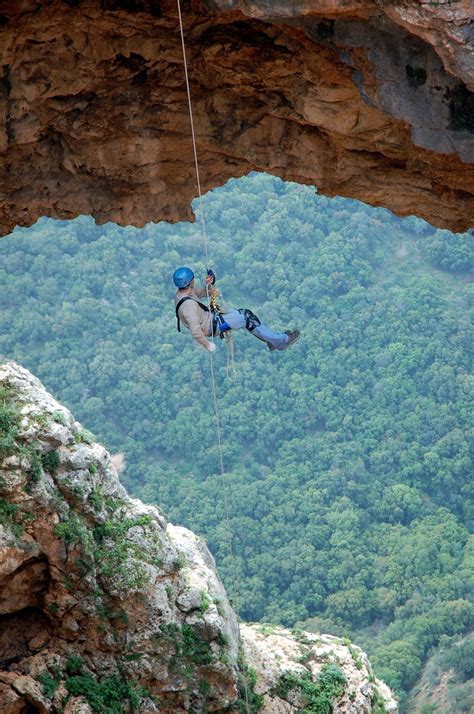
<point x="317" y="696"/>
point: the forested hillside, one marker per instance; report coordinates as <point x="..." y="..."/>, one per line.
<point x="348" y="462"/>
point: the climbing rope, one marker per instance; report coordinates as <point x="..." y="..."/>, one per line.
<point x="225" y="488"/>
<point x="230" y="363"/>
<point x="230" y="366"/>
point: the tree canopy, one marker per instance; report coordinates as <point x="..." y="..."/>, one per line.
<point x="347" y="457"/>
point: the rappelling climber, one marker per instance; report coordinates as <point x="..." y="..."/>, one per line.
<point x="204" y="321"/>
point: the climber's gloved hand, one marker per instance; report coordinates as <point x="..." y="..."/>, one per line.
<point x="211" y="277"/>
<point x="211" y="346"/>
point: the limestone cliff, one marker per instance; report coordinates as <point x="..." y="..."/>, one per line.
<point x="106" y="607"/>
<point x="371" y="99"/>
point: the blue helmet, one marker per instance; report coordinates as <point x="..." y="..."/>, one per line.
<point x="183" y="277"/>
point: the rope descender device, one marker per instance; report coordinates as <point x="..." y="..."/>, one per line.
<point x="216" y="311"/>
<point x="214" y="304"/>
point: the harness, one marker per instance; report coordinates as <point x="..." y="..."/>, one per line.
<point x="251" y="320"/>
<point x="217" y="319"/>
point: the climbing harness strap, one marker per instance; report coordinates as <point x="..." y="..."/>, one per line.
<point x="219" y="325"/>
<point x="251" y="320"/>
<point x="188" y="297"/>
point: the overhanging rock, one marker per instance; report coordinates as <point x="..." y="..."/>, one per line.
<point x="366" y="99"/>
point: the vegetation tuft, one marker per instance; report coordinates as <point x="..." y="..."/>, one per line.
<point x="193" y="648"/>
<point x="248" y="702"/>
<point x="377" y="703"/>
<point x="110" y="695"/>
<point x="48" y="683"/>
<point x="9" y="422"/>
<point x="108" y="547"/>
<point x="107" y="695"/>
<point x="317" y="696"/>
<point x="50" y="461"/>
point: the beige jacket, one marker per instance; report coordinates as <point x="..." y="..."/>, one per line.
<point x="193" y="317"/>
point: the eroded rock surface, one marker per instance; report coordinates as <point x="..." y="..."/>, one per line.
<point x="363" y="98"/>
<point x="96" y="587"/>
<point x="102" y="602"/>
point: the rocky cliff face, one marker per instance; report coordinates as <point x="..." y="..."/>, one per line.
<point x="98" y="591"/>
<point x="105" y="604"/>
<point x="364" y="98"/>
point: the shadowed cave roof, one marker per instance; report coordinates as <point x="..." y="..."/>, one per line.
<point x="363" y="98"/>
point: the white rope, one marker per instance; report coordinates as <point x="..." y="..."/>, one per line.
<point x="211" y="363"/>
<point x="193" y="134"/>
<point x="231" y="369"/>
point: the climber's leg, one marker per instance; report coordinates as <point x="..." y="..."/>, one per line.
<point x="238" y="319"/>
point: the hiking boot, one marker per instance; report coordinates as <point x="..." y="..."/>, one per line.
<point x="270" y="347"/>
<point x="293" y="336"/>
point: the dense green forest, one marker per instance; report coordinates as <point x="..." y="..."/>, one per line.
<point x="347" y="456"/>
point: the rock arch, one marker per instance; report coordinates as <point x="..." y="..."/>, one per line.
<point x="363" y="98"/>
